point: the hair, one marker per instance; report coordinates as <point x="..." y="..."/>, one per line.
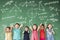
<point x="17" y="24"/>
<point x="36" y="26"/>
<point x="43" y="25"/>
<point x="8" y="27"/>
<point x="26" y="27"/>
<point x="48" y="25"/>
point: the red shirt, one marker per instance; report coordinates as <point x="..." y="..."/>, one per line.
<point x="42" y="33"/>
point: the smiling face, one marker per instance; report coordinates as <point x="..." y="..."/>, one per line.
<point x="42" y="26"/>
<point x="17" y="25"/>
<point x="49" y="26"/>
<point x="8" y="29"/>
<point x="34" y="27"/>
<point x="26" y="29"/>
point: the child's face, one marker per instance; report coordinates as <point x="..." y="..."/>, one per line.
<point x="7" y="29"/>
<point x="49" y="26"/>
<point x="34" y="27"/>
<point x="42" y="27"/>
<point x="26" y="29"/>
<point x="16" y="26"/>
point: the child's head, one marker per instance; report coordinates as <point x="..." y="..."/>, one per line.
<point x="8" y="29"/>
<point x="42" y="26"/>
<point x="17" y="25"/>
<point x="26" y="28"/>
<point x="49" y="26"/>
<point x="34" y="26"/>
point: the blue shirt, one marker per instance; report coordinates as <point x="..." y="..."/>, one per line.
<point x="50" y="36"/>
<point x="16" y="33"/>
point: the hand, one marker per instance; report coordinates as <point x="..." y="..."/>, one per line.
<point x="40" y="24"/>
<point x="21" y="25"/>
<point x="12" y="26"/>
<point x="38" y="28"/>
<point x="30" y="27"/>
<point x="53" y="32"/>
<point x="5" y="29"/>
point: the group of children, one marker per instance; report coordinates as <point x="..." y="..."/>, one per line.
<point x="46" y="33"/>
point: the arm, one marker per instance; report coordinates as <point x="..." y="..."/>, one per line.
<point x="12" y="26"/>
<point x="38" y="28"/>
<point x="49" y="32"/>
<point x="21" y="26"/>
<point x="53" y="31"/>
<point x="4" y="29"/>
<point x="45" y="26"/>
<point x="11" y="29"/>
<point x="30" y="28"/>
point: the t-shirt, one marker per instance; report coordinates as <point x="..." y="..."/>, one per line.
<point x="8" y="36"/>
<point x="16" y="33"/>
<point x="26" y="35"/>
<point x="42" y="33"/>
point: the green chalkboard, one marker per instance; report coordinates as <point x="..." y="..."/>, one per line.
<point x="29" y="12"/>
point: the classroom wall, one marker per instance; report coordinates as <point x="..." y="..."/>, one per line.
<point x="29" y="12"/>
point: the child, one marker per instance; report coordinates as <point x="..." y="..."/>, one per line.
<point x="16" y="31"/>
<point x="34" y="35"/>
<point x="8" y="33"/>
<point x="26" y="33"/>
<point x="50" y="32"/>
<point x="42" y="32"/>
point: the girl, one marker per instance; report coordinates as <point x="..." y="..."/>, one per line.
<point x="8" y="33"/>
<point x="16" y="31"/>
<point x="34" y="35"/>
<point x="42" y="32"/>
<point x="50" y="32"/>
<point x="26" y="33"/>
